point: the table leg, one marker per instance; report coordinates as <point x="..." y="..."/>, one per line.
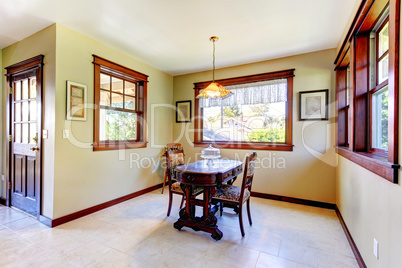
<point x="207" y="222"/>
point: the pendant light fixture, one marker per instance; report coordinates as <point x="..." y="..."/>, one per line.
<point x="214" y="90"/>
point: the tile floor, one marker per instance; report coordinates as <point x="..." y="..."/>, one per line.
<point x="137" y="233"/>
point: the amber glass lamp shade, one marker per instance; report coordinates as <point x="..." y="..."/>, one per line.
<point x="214" y="90"/>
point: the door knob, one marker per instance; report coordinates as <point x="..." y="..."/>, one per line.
<point x="34" y="149"/>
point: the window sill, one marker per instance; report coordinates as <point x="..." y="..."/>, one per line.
<point x="374" y="162"/>
<point x="106" y="146"/>
<point x="254" y="146"/>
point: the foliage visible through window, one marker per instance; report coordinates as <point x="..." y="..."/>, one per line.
<point x="120" y="96"/>
<point x="256" y="114"/>
<point x="379" y="93"/>
<point x="250" y="114"/>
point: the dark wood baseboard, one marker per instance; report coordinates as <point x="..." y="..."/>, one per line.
<point x="87" y="211"/>
<point x="295" y="200"/>
<point x="2" y="201"/>
<point x="352" y="244"/>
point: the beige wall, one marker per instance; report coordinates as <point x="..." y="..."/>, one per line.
<point x="371" y="208"/>
<point x="43" y="42"/>
<point x="3" y="119"/>
<point x="305" y="176"/>
<point x="84" y="178"/>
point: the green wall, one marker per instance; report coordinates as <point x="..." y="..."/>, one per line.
<point x="75" y="177"/>
<point x="310" y="169"/>
<point x="84" y="178"/>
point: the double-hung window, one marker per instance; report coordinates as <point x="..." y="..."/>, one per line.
<point x="368" y="117"/>
<point x="258" y="115"/>
<point x="120" y="106"/>
<point x="379" y="88"/>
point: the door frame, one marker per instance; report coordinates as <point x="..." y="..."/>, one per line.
<point x="12" y="70"/>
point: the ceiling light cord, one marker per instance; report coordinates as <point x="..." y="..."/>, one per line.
<point x="213" y="64"/>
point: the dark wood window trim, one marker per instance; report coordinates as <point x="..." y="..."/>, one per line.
<point x="357" y="42"/>
<point x="104" y="66"/>
<point x="286" y="146"/>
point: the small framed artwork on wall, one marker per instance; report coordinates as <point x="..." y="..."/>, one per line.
<point x="313" y="105"/>
<point x="76" y="101"/>
<point x="183" y="111"/>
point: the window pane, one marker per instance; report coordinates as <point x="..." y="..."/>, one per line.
<point x="383" y="70"/>
<point x="251" y="122"/>
<point x="17" y="88"/>
<point x="129" y="103"/>
<point x="130" y="88"/>
<point x="105" y="81"/>
<point x="105" y="98"/>
<point x="32" y="110"/>
<point x="116" y="125"/>
<point x="25" y="111"/>
<point x="17" y="112"/>
<point x="379" y="131"/>
<point x="32" y="88"/>
<point x="32" y="133"/>
<point x="25" y="133"/>
<point x="17" y="133"/>
<point x="117" y="100"/>
<point x="383" y="40"/>
<point x="25" y="89"/>
<point x="117" y="85"/>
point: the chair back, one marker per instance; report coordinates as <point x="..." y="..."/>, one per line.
<point x="172" y="146"/>
<point x="248" y="173"/>
<point x="174" y="157"/>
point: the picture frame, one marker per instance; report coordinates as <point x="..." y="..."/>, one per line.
<point x="313" y="105"/>
<point x="76" y="101"/>
<point x="183" y="111"/>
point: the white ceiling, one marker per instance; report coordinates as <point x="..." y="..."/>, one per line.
<point x="173" y="35"/>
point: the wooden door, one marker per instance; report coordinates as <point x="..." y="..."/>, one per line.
<point x="25" y="128"/>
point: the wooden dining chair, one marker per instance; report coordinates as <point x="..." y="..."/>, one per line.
<point x="175" y="157"/>
<point x="168" y="147"/>
<point x="236" y="196"/>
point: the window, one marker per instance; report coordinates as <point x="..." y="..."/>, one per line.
<point x="120" y="106"/>
<point x="258" y="115"/>
<point x="369" y="114"/>
<point x="379" y="88"/>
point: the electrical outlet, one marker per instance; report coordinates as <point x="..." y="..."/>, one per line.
<point x="376" y="249"/>
<point x="3" y="178"/>
<point x="66" y="133"/>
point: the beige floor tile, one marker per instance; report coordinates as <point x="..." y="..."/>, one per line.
<point x="239" y="256"/>
<point x="267" y="260"/>
<point x="9" y="215"/>
<point x="268" y="244"/>
<point x="21" y="223"/>
<point x="331" y="260"/>
<point x="137" y="233"/>
<point x="31" y="230"/>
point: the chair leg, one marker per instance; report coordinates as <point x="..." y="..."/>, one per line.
<point x="164" y="181"/>
<point x="221" y="208"/>
<point x="248" y="211"/>
<point x="182" y="202"/>
<point x="241" y="220"/>
<point x="170" y="203"/>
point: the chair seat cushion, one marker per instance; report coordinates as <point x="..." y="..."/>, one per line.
<point x="231" y="193"/>
<point x="176" y="188"/>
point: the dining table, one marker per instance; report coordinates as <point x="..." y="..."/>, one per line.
<point x="209" y="174"/>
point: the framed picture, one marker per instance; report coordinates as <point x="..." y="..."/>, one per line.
<point x="183" y="111"/>
<point x="76" y="101"/>
<point x="313" y="105"/>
